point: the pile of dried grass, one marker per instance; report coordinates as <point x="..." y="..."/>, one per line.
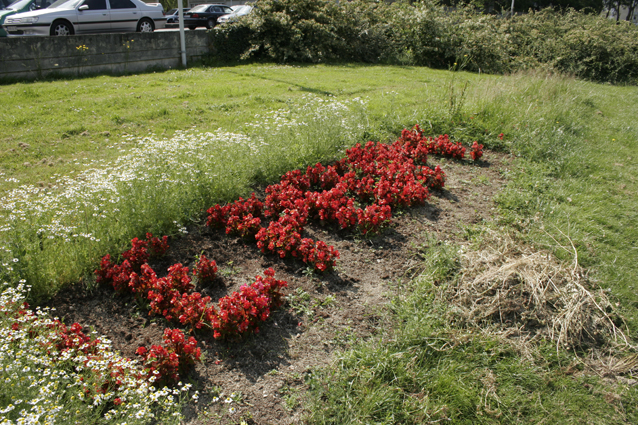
<point x="520" y="292"/>
<point x="611" y="365"/>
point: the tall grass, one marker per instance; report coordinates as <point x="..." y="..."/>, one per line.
<point x="576" y="175"/>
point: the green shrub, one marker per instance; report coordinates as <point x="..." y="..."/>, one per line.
<point x="595" y="48"/>
<point x="293" y="30"/>
<point x="230" y="41"/>
<point x="308" y="31"/>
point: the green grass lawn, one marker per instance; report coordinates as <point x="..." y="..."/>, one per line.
<point x="65" y="122"/>
<point x="574" y="182"/>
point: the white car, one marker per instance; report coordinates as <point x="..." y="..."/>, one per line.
<point x="68" y="17"/>
<point x="237" y="12"/>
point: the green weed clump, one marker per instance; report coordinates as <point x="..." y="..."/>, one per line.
<point x="423" y="33"/>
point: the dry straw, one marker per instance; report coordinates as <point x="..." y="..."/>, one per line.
<point x="521" y="292"/>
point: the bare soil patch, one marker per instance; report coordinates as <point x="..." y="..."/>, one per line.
<point x="328" y="312"/>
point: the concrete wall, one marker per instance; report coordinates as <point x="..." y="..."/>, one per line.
<point x="37" y="57"/>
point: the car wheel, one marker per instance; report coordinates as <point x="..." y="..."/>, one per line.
<point x="210" y="23"/>
<point x="61" y="28"/>
<point x="145" y="25"/>
<point x="191" y="28"/>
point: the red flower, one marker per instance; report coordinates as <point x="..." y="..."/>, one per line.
<point x="205" y="270"/>
<point x="477" y="151"/>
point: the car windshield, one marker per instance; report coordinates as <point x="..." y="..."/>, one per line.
<point x="19" y="4"/>
<point x="200" y="8"/>
<point x="64" y="4"/>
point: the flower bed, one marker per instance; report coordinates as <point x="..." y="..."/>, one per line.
<point x="356" y="194"/>
<point x="383" y="176"/>
<point x="173" y="298"/>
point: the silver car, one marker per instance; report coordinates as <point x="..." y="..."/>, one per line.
<point x="238" y="11"/>
<point x="68" y="17"/>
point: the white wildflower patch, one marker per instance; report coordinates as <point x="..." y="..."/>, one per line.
<point x="41" y="383"/>
<point x="157" y="181"/>
<point x="96" y="192"/>
<point x="313" y="111"/>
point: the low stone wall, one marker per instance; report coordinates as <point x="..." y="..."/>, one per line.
<point x="37" y="57"/>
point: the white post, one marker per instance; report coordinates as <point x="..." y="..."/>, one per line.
<point x="182" y="39"/>
<point x="511" y="12"/>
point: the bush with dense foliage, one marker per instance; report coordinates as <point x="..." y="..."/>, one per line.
<point x="310" y="31"/>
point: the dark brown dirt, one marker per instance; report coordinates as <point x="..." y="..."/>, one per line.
<point x="328" y="312"/>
